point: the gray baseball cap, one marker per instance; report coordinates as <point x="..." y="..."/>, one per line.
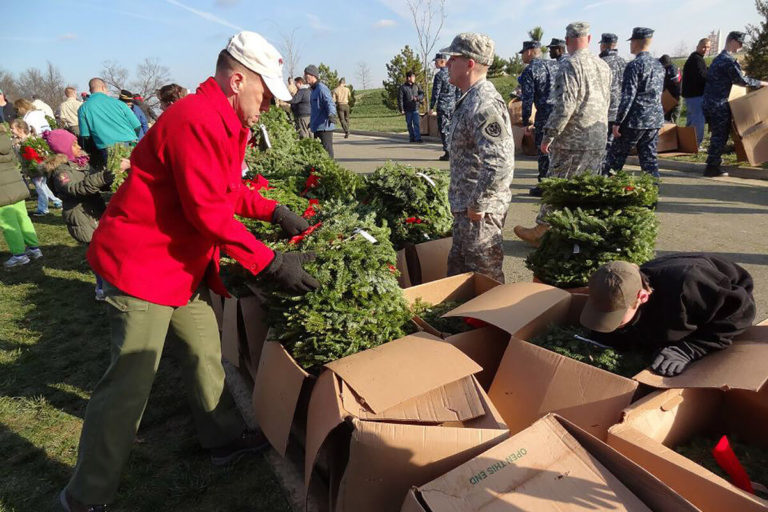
<point x="478" y="47"/>
<point x="577" y="29"/>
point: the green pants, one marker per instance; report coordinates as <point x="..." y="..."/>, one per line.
<point x="18" y="230"/>
<point x="114" y="412"/>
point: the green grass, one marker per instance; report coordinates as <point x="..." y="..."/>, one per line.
<point x="370" y="114"/>
<point x="54" y="346"/>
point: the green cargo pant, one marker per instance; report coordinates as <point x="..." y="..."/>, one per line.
<point x="114" y="412"/>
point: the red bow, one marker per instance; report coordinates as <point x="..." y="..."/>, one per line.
<point x="310" y="211"/>
<point x="298" y="238"/>
<point x="257" y="183"/>
<point x="312" y="181"/>
<point x="30" y="154"/>
<point x="392" y="269"/>
<point x="726" y="459"/>
<point x="413" y="220"/>
<point x="629" y="188"/>
<point x="474" y="322"/>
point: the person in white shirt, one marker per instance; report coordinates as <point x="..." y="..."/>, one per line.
<point x="41" y="105"/>
<point x="34" y="117"/>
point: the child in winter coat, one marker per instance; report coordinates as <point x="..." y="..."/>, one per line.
<point x="78" y="186"/>
<point x="21" y="132"/>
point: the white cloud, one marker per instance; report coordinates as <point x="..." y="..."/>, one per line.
<point x="317" y="24"/>
<point x="205" y="15"/>
<point x="69" y="36"/>
<point x="385" y="23"/>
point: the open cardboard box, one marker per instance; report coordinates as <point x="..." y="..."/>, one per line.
<point x="426" y="261"/>
<point x="399" y="414"/>
<point x="724" y="392"/>
<point x="462" y="287"/>
<point x="532" y="381"/>
<point x="677" y="140"/>
<point x="525" y="143"/>
<point x="553" y="465"/>
<point x="750" y="116"/>
<point x="668" y="102"/>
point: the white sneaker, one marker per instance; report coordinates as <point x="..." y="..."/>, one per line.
<point x="16" y="261"/>
<point x="34" y="254"/>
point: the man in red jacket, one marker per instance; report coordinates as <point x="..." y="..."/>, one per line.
<point x="157" y="248"/>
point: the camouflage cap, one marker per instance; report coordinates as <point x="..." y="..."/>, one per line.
<point x="577" y="29"/>
<point x="641" y="33"/>
<point x="609" y="38"/>
<point x="737" y="36"/>
<point x="530" y="45"/>
<point x="478" y="47"/>
<point x="556" y="42"/>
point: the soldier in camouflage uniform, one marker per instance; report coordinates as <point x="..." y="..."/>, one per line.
<point x="557" y="54"/>
<point x="640" y="112"/>
<point x="535" y="84"/>
<point x="723" y="72"/>
<point x="482" y="160"/>
<point x="444" y="95"/>
<point x="574" y="135"/>
<point x="610" y="55"/>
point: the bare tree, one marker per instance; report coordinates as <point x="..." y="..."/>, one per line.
<point x="150" y="76"/>
<point x="428" y="19"/>
<point x="681" y="50"/>
<point x="363" y="75"/>
<point x="114" y="75"/>
<point x="291" y="51"/>
<point x="47" y="85"/>
<point x="9" y="86"/>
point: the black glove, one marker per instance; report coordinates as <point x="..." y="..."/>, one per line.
<point x="286" y="269"/>
<point x="291" y="223"/>
<point x="333" y="119"/>
<point x="672" y="360"/>
<point x="108" y="177"/>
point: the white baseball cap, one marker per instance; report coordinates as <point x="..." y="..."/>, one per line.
<point x="254" y="52"/>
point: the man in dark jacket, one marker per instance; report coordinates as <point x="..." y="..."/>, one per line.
<point x="684" y="305"/>
<point x="671" y="84"/>
<point x="301" y="108"/>
<point x="409" y="99"/>
<point x="694" y="78"/>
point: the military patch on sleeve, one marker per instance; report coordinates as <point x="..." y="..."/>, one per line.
<point x="494" y="128"/>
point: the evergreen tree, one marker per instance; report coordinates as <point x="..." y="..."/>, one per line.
<point x="536" y="33"/>
<point x="756" y="60"/>
<point x="497" y="68"/>
<point x="515" y="66"/>
<point x="405" y="61"/>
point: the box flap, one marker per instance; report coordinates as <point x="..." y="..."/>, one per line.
<point x="217" y="303"/>
<point x="230" y="336"/>
<point x="668" y="102"/>
<point x="254" y="322"/>
<point x="395" y="372"/>
<point x="737" y="91"/>
<point x="276" y="389"/>
<point x="485" y="346"/>
<point x="686" y="140"/>
<point x="456" y="401"/>
<point x="404" y="280"/>
<point x="532" y="381"/>
<point x="743" y="365"/>
<point x="433" y="258"/>
<point x="541" y="468"/>
<point x="667" y="138"/>
<point x="749" y="110"/>
<point x="324" y="414"/>
<point x="459" y="287"/>
<point x="512" y="307"/>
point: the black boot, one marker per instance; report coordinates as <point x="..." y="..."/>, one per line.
<point x="445" y="157"/>
<point x="536" y="191"/>
<point x="713" y="171"/>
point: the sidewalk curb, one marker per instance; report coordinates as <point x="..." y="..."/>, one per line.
<point x="402" y="137"/>
<point x="698" y="168"/>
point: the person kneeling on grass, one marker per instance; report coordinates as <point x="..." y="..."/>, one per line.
<point x="685" y="305"/>
<point x="79" y="187"/>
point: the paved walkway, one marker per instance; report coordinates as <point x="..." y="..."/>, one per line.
<point x="727" y="216"/>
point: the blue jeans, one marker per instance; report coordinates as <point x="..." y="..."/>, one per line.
<point x="44" y="194"/>
<point x="414" y="127"/>
<point x="695" y="116"/>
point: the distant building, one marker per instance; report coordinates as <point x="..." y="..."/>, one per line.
<point x="714" y="38"/>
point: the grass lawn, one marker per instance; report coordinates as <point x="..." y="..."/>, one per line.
<point x="370" y="114"/>
<point x="54" y="346"/>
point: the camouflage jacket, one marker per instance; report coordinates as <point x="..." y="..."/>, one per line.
<point x="617" y="65"/>
<point x="482" y="152"/>
<point x="724" y="71"/>
<point x="535" y="84"/>
<point x="444" y="94"/>
<point x="641" y="89"/>
<point x="580" y="97"/>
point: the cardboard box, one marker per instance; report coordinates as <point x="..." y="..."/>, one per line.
<point x="677" y="140"/>
<point x="428" y="125"/>
<point x="551" y="466"/>
<point x="750" y="116"/>
<point x="525" y="144"/>
<point x="515" y="107"/>
<point x="724" y="392"/>
<point x="462" y="287"/>
<point x="427" y="261"/>
<point x="668" y="102"/>
<point x="532" y="381"/>
<point x="404" y="279"/>
<point x="397" y="421"/>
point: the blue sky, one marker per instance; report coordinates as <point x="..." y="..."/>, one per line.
<point x="186" y="35"/>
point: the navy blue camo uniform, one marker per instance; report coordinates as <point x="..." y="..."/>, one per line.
<point x="722" y="74"/>
<point x="617" y="65"/>
<point x="535" y="84"/>
<point x="640" y="112"/>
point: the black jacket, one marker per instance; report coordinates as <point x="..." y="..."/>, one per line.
<point x="80" y="193"/>
<point x="672" y="80"/>
<point x="409" y="97"/>
<point x="700" y="302"/>
<point x="300" y="103"/>
<point x="8" y="113"/>
<point x="694" y="76"/>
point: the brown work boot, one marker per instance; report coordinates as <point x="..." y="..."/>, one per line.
<point x="70" y="504"/>
<point x="532" y="236"/>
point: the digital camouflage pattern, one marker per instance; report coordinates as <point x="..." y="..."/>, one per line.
<point x="641" y="89"/>
<point x="617" y="66"/>
<point x="444" y="97"/>
<point x="477" y="246"/>
<point x="535" y="85"/>
<point x="646" y="142"/>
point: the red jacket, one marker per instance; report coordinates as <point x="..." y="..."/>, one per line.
<point x="165" y="226"/>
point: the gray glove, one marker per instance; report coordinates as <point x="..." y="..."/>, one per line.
<point x="672" y="360"/>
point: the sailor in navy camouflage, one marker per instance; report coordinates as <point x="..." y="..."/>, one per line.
<point x="610" y="55"/>
<point x="722" y="74"/>
<point x="535" y="84"/>
<point x="482" y="156"/>
<point x="640" y="114"/>
<point x="444" y="96"/>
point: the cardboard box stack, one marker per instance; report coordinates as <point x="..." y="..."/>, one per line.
<point x="524" y="143"/>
